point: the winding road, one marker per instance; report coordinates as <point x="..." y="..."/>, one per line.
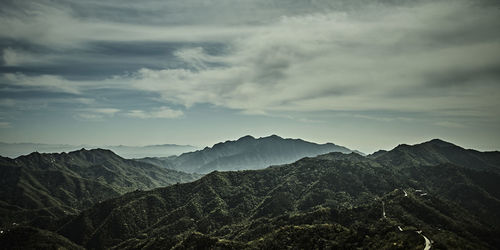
<point x="383" y="210"/>
<point x="428" y="242"/>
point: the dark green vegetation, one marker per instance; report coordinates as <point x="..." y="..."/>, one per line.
<point x="438" y="152"/>
<point x="38" y="188"/>
<point x="245" y="153"/>
<point x="335" y="200"/>
<point x="34" y="238"/>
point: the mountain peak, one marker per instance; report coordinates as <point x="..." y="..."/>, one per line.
<point x="439" y="142"/>
<point x="275" y="136"/>
<point x="272" y="137"/>
<point x="251" y="138"/>
<point x="94" y="155"/>
<point x="92" y="151"/>
<point x="246" y="138"/>
<point x="433" y="143"/>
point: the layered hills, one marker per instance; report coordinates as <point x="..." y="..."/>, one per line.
<point x="432" y="194"/>
<point x="245" y="153"/>
<point x="13" y="150"/>
<point x="42" y="187"/>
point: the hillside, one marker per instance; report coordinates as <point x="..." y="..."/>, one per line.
<point x="246" y="153"/>
<point x="34" y="238"/>
<point x="42" y="187"/>
<point x="438" y="152"/>
<point x="333" y="200"/>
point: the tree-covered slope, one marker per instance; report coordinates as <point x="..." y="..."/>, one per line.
<point x="436" y="152"/>
<point x="333" y="200"/>
<point x="47" y="186"/>
<point x="23" y="237"/>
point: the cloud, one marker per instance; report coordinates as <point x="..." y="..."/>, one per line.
<point x="448" y="124"/>
<point x="65" y="24"/>
<point x="393" y="58"/>
<point x="162" y="112"/>
<point x="88" y="117"/>
<point x="104" y="111"/>
<point x="5" y="125"/>
<point x="383" y="118"/>
<point x="435" y="57"/>
<point x="46" y="82"/>
<point x="58" y="26"/>
<point x="96" y="114"/>
<point x="12" y="57"/>
<point x="7" y="102"/>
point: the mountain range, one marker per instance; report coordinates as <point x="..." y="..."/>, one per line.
<point x="245" y="153"/>
<point x="430" y="195"/>
<point x="46" y="186"/>
<point x="13" y="150"/>
<point x="335" y="200"/>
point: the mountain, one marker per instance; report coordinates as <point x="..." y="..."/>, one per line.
<point x="43" y="187"/>
<point x="17" y="149"/>
<point x="437" y="152"/>
<point x="333" y="200"/>
<point x="246" y="153"/>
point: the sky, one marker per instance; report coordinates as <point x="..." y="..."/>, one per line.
<point x="364" y="74"/>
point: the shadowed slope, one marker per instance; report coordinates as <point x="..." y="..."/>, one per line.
<point x="45" y="186"/>
<point x="335" y="197"/>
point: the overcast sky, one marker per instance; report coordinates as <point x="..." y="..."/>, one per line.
<point x="364" y="74"/>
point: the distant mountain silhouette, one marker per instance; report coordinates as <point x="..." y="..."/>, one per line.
<point x="246" y="153"/>
<point x="13" y="150"/>
<point x="392" y="199"/>
<point x="46" y="186"/>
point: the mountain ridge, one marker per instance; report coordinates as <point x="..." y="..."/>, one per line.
<point x="13" y="150"/>
<point x="52" y="185"/>
<point x="247" y="152"/>
<point x="439" y="151"/>
<point x="349" y="194"/>
<point x="390" y="199"/>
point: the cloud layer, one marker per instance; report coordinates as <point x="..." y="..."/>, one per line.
<point x="391" y="58"/>
<point x="162" y="112"/>
<point x="435" y="60"/>
<point x="424" y="57"/>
